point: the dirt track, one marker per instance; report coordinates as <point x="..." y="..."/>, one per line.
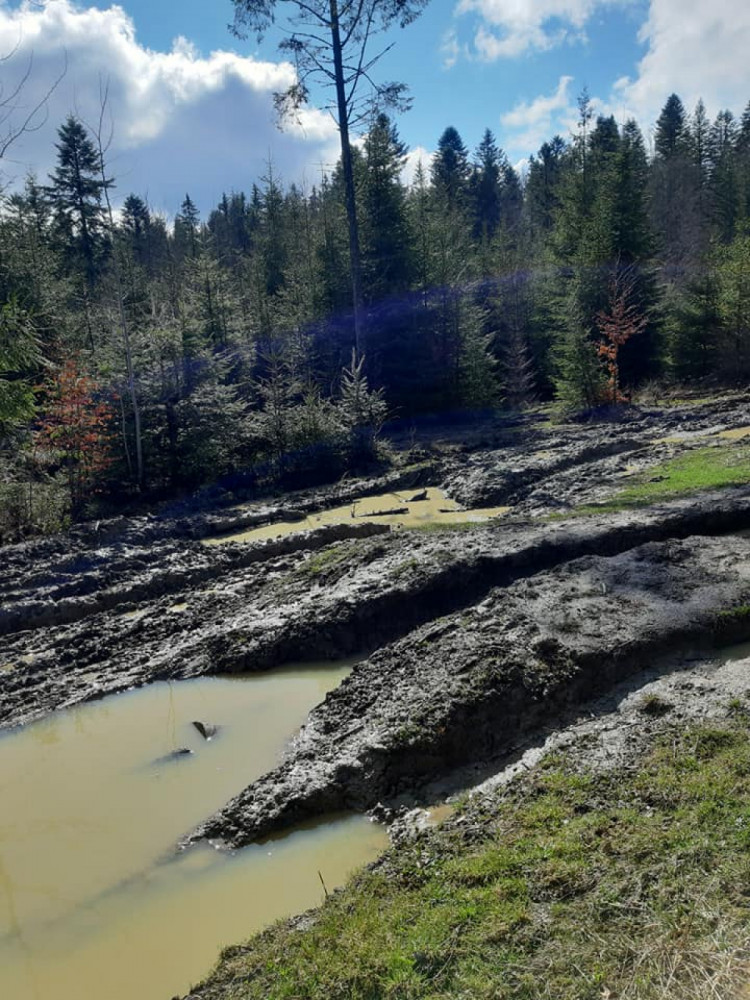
<point x="477" y="637"/>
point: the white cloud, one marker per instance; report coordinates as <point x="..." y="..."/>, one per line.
<point x="415" y="157"/>
<point x="450" y="50"/>
<point x="182" y="120"/>
<point x="510" y="28"/>
<point x="695" y="49"/>
<point x="530" y="123"/>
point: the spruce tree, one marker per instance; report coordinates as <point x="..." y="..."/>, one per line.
<point x="387" y="263"/>
<point x="450" y="168"/>
<point x="186" y="228"/>
<point x="485" y="187"/>
<point x="671" y="137"/>
<point x="724" y="181"/>
<point x="76" y="192"/>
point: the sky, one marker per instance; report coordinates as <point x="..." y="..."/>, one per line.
<point x="190" y="106"/>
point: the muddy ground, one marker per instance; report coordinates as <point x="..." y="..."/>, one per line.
<point x="472" y="639"/>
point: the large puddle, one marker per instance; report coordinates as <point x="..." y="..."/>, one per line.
<point x="93" y="903"/>
<point x="399" y="509"/>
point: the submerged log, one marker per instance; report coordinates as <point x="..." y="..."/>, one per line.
<point x="384" y="513"/>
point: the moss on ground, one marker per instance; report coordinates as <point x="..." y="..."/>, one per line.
<point x="328" y="560"/>
<point x="708" y="468"/>
<point x="632" y="885"/>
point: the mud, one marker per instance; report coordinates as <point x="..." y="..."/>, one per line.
<point x="477" y="636"/>
<point x="469" y="686"/>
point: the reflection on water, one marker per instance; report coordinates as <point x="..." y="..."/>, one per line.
<point x="92" y="900"/>
<point x="398" y="509"/>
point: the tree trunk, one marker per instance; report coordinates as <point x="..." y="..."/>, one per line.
<point x="346" y="163"/>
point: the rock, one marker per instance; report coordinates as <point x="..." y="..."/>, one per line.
<point x="206" y="730"/>
<point x="169" y="758"/>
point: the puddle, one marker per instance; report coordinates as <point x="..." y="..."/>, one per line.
<point x="735" y="434"/>
<point x="92" y="900"/>
<point x="730" y="654"/>
<point x="437" y="508"/>
<point x="439" y="812"/>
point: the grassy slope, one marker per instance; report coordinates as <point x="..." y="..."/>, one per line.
<point x="575" y="885"/>
<point x="699" y="469"/>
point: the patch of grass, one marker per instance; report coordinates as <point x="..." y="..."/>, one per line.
<point x="655" y="705"/>
<point x="326" y="560"/>
<point x="406" y="568"/>
<point x="699" y="469"/>
<point x="739" y="613"/>
<point x="572" y="885"/>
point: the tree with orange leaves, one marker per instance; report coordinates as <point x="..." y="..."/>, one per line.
<point x="74" y="430"/>
<point x="617" y="324"/>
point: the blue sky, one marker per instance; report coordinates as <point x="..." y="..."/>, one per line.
<point x="471" y="95"/>
<point x="191" y="106"/>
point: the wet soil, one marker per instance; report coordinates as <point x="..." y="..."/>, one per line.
<point x="477" y="636"/>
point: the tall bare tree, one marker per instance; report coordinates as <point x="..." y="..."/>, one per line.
<point x="330" y="42"/>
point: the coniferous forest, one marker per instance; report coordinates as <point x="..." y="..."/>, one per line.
<point x="141" y="357"/>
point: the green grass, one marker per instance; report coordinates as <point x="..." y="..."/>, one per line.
<point x="327" y="560"/>
<point x="690" y="472"/>
<point x="632" y="885"/>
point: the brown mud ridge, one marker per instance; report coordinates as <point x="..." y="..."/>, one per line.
<point x="480" y="635"/>
<point x="469" y="686"/>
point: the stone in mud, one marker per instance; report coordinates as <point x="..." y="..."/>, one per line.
<point x="169" y="758"/>
<point x="206" y="730"/>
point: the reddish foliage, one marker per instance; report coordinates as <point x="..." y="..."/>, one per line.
<point x="617" y="324"/>
<point x="75" y="427"/>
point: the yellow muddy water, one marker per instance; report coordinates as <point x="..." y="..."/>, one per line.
<point x="734" y="434"/>
<point x="93" y="901"/>
<point x="436" y="508"/>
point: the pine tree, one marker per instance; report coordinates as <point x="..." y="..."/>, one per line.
<point x="76" y="192"/>
<point x="363" y="411"/>
<point x="485" y="187"/>
<point x="724" y="182"/>
<point x="450" y="168"/>
<point x="671" y="137"/>
<point x="186" y="228"/>
<point x="19" y="358"/>
<point x="542" y="187"/>
<point x="519" y="384"/>
<point x="675" y="190"/>
<point x="693" y="327"/>
<point x="733" y="275"/>
<point x="386" y="240"/>
<point x="743" y="168"/>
